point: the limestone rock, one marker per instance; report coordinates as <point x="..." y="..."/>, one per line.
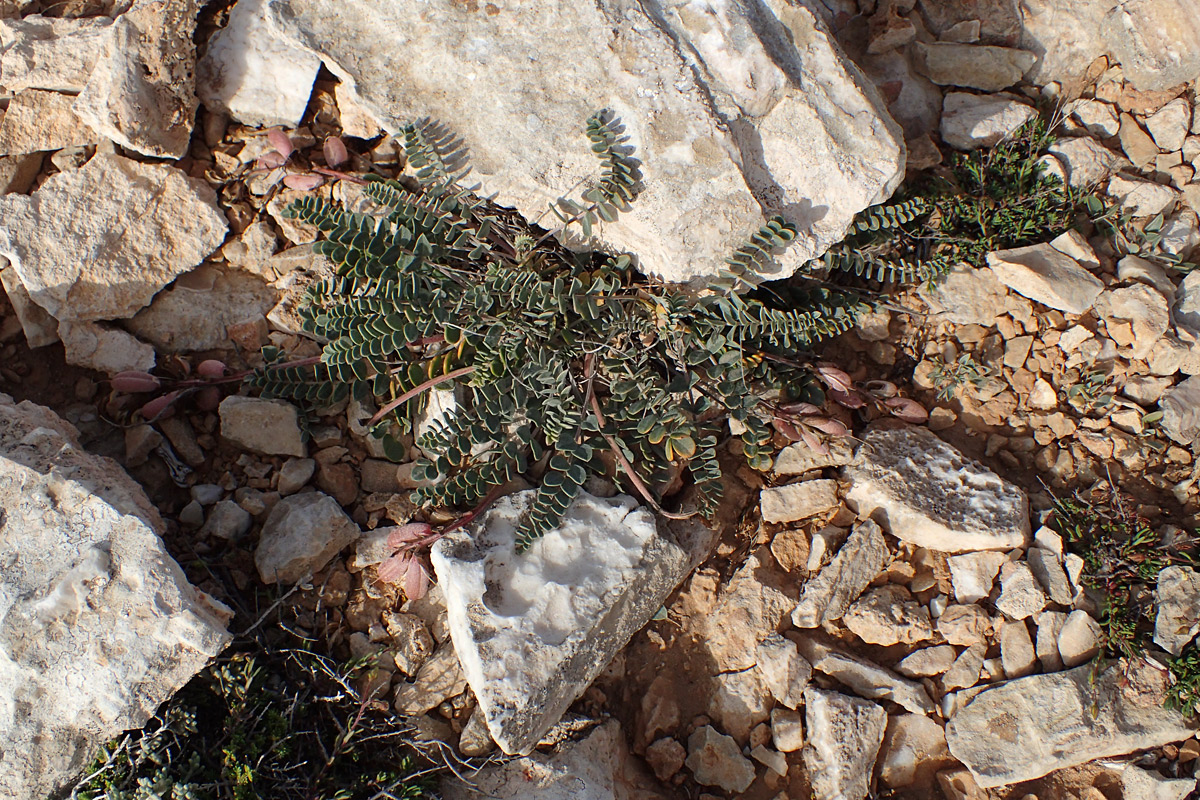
<point x="666" y="757"/>
<point x="1148" y="784"/>
<point x="98" y="623"/>
<point x="1079" y="639"/>
<point x="300" y="536"/>
<point x="783" y="670"/>
<point x="40" y="328"/>
<point x="731" y="111"/>
<point x="1004" y="735"/>
<point x="141" y="94"/>
<point x="928" y="662"/>
<point x="54" y="54"/>
<point x="983" y="67"/>
<point x="1047" y="567"/>
<point x="964" y="624"/>
<point x="598" y="768"/>
<point x="739" y="701"/>
<point x="925" y="492"/>
<point x="252" y="73"/>
<point x="1086" y="161"/>
<point x="1141" y="198"/>
<point x="787" y="730"/>
<point x="1136" y="143"/>
<point x="438" y="679"/>
<point x="59" y="239"/>
<point x="1049" y="626"/>
<point x="716" y="760"/>
<point x="264" y="426"/>
<point x="1097" y="117"/>
<point x="864" y="677"/>
<point x="964" y="672"/>
<point x="974" y="574"/>
<point x="889" y="615"/>
<point x="797" y="501"/>
<point x="827" y="596"/>
<point x="533" y="631"/>
<point x="1186" y="310"/>
<point x="1048" y="276"/>
<point x="39" y="120"/>
<point x="970" y="121"/>
<point x="1156" y="42"/>
<point x="799" y="458"/>
<point x="844" y="735"/>
<point x="104" y="349"/>
<point x="197" y="311"/>
<point x="1016" y="649"/>
<point x="749" y="608"/>
<point x="967" y="296"/>
<point x="1169" y="125"/>
<point x="1020" y="596"/>
<point x="1177" y="599"/>
<point x="914" y="748"/>
<point x="1181" y="411"/>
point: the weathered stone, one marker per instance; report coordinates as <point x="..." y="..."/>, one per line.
<point x="17" y="173"/>
<point x="739" y="701"/>
<point x="964" y="672"/>
<point x="888" y="615"/>
<point x="1186" y="310"/>
<point x="1141" y="198"/>
<point x="708" y="103"/>
<point x="974" y="574"/>
<point x="1148" y="784"/>
<point x="264" y="426"/>
<point x="598" y="768"/>
<point x="1016" y="649"/>
<point x="749" y="608"/>
<point x="787" y="730"/>
<point x="1156" y="42"/>
<point x="252" y="73"/>
<point x="294" y="473"/>
<point x="799" y="458"/>
<point x="844" y="735"/>
<point x="1097" y="117"/>
<point x="964" y="624"/>
<point x="1049" y="625"/>
<point x="1020" y="595"/>
<point x="925" y="492"/>
<point x="928" y="662"/>
<point x="533" y="631"/>
<point x="1136" y="143"/>
<point x="1005" y="734"/>
<point x="411" y="640"/>
<point x="227" y="520"/>
<point x="1079" y="639"/>
<point x="141" y="94"/>
<point x="1048" y="276"/>
<point x="827" y="596"/>
<point x="99" y="624"/>
<point x="782" y="669"/>
<point x="797" y="501"/>
<point x="439" y="678"/>
<point x="864" y="677"/>
<point x="197" y="311"/>
<point x="976" y="66"/>
<point x="1047" y="567"/>
<point x="967" y="296"/>
<point x="1086" y="161"/>
<point x="716" y="760"/>
<point x="55" y="54"/>
<point x="300" y="536"/>
<point x="1177" y="599"/>
<point x="104" y="349"/>
<point x="60" y="241"/>
<point x="1181" y="411"/>
<point x="1169" y="125"/>
<point x="970" y="121"/>
<point x="665" y="757"/>
<point x="791" y="549"/>
<point x="914" y="748"/>
<point x="39" y="120"/>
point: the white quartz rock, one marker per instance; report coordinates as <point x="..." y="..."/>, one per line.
<point x="533" y="630"/>
<point x="732" y="111"/>
<point x="923" y="491"/>
<point x="98" y="624"/>
<point x="252" y="73"/>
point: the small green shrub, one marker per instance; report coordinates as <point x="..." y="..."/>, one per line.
<point x="948" y="378"/>
<point x="567" y="362"/>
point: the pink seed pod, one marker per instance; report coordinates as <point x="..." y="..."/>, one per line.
<point x="280" y="141"/>
<point x="272" y="159"/>
<point x="135" y="381"/>
<point x="303" y="182"/>
<point x="907" y="410"/>
<point x="159" y="406"/>
<point x="208" y="398"/>
<point x="335" y="151"/>
<point x="211" y="368"/>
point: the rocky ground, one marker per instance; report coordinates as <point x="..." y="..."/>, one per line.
<point x="905" y="615"/>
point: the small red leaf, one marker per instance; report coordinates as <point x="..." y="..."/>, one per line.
<point x="800" y="409"/>
<point x="211" y="368"/>
<point x="394" y="567"/>
<point x="280" y="141"/>
<point x="847" y="399"/>
<point x="907" y="410"/>
<point x="830" y="426"/>
<point x="335" y="151"/>
<point x="134" y="381"/>
<point x="159" y="406"/>
<point x="812" y="441"/>
<point x="787" y="429"/>
<point x="302" y="181"/>
<point x="416" y="580"/>
<point x="406" y="534"/>
<point x="837" y="379"/>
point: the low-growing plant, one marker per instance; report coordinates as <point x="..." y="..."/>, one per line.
<point x="1129" y="237"/>
<point x="1092" y="391"/>
<point x="948" y="378"/>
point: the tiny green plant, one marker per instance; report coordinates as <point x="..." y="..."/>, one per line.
<point x="1129" y="237"/>
<point x="1091" y="392"/>
<point x="566" y="364"/>
<point x="950" y="377"/>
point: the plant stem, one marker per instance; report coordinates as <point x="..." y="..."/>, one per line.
<point x="411" y="393"/>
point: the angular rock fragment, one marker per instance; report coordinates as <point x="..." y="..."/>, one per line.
<point x="797" y="501"/>
<point x="809" y="137"/>
<point x="914" y="748"/>
<point x="1048" y="568"/>
<point x="964" y="672"/>
<point x="265" y="426"/>
<point x="533" y="630"/>
<point x="964" y="624"/>
<point x="889" y="615"/>
<point x="1149" y="784"/>
<point x="252" y="73"/>
<point x="970" y="121"/>
<point x="98" y="624"/>
<point x="787" y="730"/>
<point x="1086" y="161"/>
<point x="1026" y="728"/>
<point x="59" y="239"/>
<point x="38" y="120"/>
<point x="716" y="760"/>
<point x="300" y="536"/>
<point x="925" y="492"/>
<point x="927" y="662"/>
<point x="1135" y="316"/>
<point x="1079" y="639"/>
<point x="983" y="67"/>
<point x="1047" y="275"/>
<point x="974" y="574"/>
<point x="104" y="349"/>
<point x="54" y="54"/>
<point x="40" y="328"/>
<point x="799" y="458"/>
<point x="865" y="678"/>
<point x="439" y="678"/>
<point x="739" y="701"/>
<point x="1020" y="595"/>
<point x="828" y="595"/>
<point x="1017" y="653"/>
<point x="784" y="672"/>
<point x="1181" y="411"/>
<point x="843" y="741"/>
<point x="1049" y="626"/>
<point x="749" y="609"/>
<point x="1177" y="599"/>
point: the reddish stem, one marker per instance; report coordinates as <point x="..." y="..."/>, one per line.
<point x="411" y="393"/>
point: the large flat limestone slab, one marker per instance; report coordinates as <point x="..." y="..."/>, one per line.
<point x="924" y="491"/>
<point x="98" y="624"/>
<point x="533" y="630"/>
